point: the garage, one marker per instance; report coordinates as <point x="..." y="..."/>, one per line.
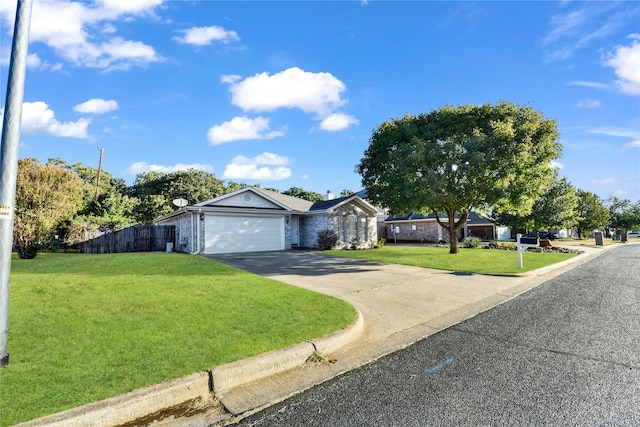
<point x="238" y="233"/>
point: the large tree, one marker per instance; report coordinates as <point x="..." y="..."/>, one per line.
<point x="624" y="215"/>
<point x="454" y="159"/>
<point x="556" y="208"/>
<point x="156" y="191"/>
<point x="592" y="213"/>
<point x="304" y="194"/>
<point x="45" y="196"/>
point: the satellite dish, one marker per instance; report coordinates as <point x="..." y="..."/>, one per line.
<point x="180" y="202"/>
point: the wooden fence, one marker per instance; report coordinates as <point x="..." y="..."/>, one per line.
<point x="139" y="238"/>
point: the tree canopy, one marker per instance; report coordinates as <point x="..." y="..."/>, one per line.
<point x="592" y="213"/>
<point x="624" y="214"/>
<point x="304" y="194"/>
<point x="556" y="208"/>
<point x="455" y="159"/>
<point x="45" y="195"/>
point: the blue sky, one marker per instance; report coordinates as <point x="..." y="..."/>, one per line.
<point x="287" y="94"/>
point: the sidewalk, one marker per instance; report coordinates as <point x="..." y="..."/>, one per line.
<point x="397" y="306"/>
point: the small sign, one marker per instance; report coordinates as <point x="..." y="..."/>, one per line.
<point x="5" y="211"/>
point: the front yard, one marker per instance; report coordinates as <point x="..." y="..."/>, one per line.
<point x="485" y="261"/>
<point x="86" y="327"/>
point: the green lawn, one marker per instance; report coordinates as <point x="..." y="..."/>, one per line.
<point x="486" y="261"/>
<point x="86" y="327"/>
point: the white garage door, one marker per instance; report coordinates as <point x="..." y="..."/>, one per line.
<point x="227" y="234"/>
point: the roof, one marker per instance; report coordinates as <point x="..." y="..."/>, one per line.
<point x="288" y="203"/>
<point x="294" y="203"/>
<point x="329" y="205"/>
<point x="472" y="219"/>
<point x="411" y="217"/>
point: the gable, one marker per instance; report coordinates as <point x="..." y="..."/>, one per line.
<point x="349" y="202"/>
<point x="245" y="199"/>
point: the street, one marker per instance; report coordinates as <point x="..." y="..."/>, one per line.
<point x="564" y="353"/>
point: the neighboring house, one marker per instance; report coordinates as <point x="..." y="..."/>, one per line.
<point x="417" y="228"/>
<point x="483" y="227"/>
<point x="254" y="219"/>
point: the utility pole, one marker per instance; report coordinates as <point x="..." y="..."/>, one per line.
<point x="9" y="160"/>
<point x="99" y="172"/>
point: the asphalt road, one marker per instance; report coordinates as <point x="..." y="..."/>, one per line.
<point x="564" y="353"/>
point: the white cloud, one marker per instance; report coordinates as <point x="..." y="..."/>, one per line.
<point x="72" y="30"/>
<point x="588" y="103"/>
<point x="633" y="134"/>
<point x="605" y="181"/>
<point x="557" y="165"/>
<point x="38" y="119"/>
<point x="96" y="106"/>
<point x="114" y="8"/>
<point x="257" y="168"/>
<point x="241" y="128"/>
<point x="337" y="121"/>
<point x="318" y="93"/>
<point x="581" y="23"/>
<point x="616" y="131"/>
<point x="265" y="158"/>
<point x="230" y="78"/>
<point x="141" y="167"/>
<point x="202" y="36"/>
<point x="626" y="63"/>
<point x="633" y="144"/>
<point x="593" y="85"/>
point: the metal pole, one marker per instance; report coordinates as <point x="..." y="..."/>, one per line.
<point x="9" y="160"/>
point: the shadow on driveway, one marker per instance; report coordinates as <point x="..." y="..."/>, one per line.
<point x="293" y="262"/>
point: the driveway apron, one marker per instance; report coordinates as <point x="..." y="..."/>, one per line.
<point x="392" y="298"/>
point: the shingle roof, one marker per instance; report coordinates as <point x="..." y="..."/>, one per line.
<point x="294" y="203"/>
<point x="473" y="219"/>
<point x="328" y="204"/>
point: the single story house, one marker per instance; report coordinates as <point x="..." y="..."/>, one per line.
<point x="254" y="219"/>
<point x="417" y="228"/>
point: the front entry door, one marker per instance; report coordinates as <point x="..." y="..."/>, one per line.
<point x="295" y="231"/>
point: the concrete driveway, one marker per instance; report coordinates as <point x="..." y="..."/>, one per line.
<point x="392" y="298"/>
<point x="399" y="305"/>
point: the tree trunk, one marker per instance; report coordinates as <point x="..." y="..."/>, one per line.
<point x="453" y="234"/>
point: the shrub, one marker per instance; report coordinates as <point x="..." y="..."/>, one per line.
<point x="380" y="243"/>
<point x="471" y="242"/>
<point x="327" y="239"/>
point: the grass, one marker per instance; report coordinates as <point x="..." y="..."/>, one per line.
<point x="86" y="327"/>
<point x="468" y="260"/>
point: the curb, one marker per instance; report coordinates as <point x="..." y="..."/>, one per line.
<point x="198" y="393"/>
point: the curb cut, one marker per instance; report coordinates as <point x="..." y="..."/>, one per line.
<point x="198" y="393"/>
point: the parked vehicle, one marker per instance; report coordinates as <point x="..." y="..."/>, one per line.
<point x="542" y="235"/>
<point x="633" y="234"/>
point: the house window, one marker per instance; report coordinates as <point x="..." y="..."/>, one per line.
<point x="349" y="227"/>
<point x="352" y="227"/>
<point x="364" y="229"/>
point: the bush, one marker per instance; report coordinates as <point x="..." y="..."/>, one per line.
<point x="471" y="242"/>
<point x="327" y="239"/>
<point x="380" y="243"/>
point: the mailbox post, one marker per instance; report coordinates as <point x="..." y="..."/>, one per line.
<point x="522" y="244"/>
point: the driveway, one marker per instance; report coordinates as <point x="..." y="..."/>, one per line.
<point x="399" y="305"/>
<point x="392" y="298"/>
